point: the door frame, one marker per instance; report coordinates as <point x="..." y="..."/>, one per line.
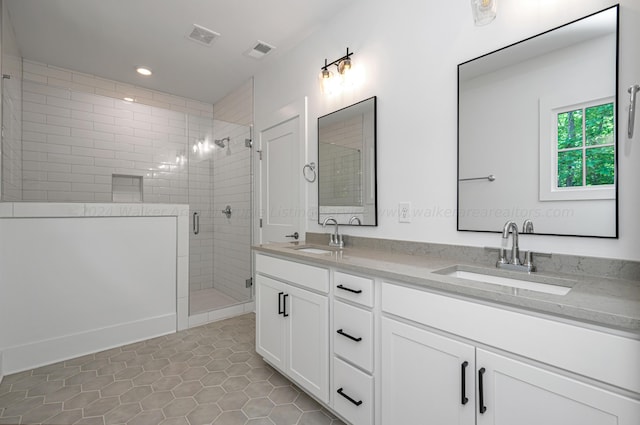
<point x="296" y="109"/>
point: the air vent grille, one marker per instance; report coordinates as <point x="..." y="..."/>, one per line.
<point x="259" y="49"/>
<point x="202" y="35"/>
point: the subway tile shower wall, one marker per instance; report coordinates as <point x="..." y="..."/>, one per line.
<point x="78" y="132"/>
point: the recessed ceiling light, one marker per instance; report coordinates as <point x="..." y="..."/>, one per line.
<point x="128" y="99"/>
<point x="143" y="71"/>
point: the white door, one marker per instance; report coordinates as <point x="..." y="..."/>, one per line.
<point x="517" y="393"/>
<point x="280" y="179"/>
<point x="309" y="341"/>
<point x="270" y="320"/>
<point x="426" y="378"/>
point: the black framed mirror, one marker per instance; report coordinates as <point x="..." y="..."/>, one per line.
<point x="537" y="132"/>
<point x="347" y="165"/>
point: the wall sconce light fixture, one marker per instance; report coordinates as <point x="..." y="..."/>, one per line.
<point x="484" y="11"/>
<point x="328" y="81"/>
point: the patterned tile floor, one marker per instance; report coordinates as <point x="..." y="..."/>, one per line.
<point x="210" y="374"/>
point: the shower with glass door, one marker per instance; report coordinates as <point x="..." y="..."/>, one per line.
<point x="220" y="202"/>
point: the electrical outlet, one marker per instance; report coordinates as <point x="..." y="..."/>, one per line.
<point x="404" y="212"/>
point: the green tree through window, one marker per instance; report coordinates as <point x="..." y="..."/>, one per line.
<point x="585" y="146"/>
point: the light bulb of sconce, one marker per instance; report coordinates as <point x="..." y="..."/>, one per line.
<point x="326" y="81"/>
<point x="326" y="74"/>
<point x="344" y="66"/>
<point x="484" y="11"/>
<point x="195" y="148"/>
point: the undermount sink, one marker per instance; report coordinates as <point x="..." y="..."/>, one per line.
<point x="554" y="288"/>
<point x="312" y="250"/>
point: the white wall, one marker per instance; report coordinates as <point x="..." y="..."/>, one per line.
<point x="76" y="285"/>
<point x="409" y="56"/>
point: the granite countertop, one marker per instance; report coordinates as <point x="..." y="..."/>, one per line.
<point x="610" y="302"/>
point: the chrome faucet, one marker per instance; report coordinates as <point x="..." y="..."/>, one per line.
<point x="527" y="227"/>
<point x="335" y="239"/>
<point x="513" y="262"/>
<point x="511" y="226"/>
<point x="356" y="219"/>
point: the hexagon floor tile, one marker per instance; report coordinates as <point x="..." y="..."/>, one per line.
<point x="210" y="374"/>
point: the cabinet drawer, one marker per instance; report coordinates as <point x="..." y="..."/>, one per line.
<point x="316" y="278"/>
<point x="358" y="387"/>
<point x="354" y="288"/>
<point x="353" y="334"/>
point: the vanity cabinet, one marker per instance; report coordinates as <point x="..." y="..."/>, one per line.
<point x="429" y="376"/>
<point x="386" y="353"/>
<point x="292" y="322"/>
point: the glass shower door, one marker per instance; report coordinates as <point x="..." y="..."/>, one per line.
<point x="232" y="193"/>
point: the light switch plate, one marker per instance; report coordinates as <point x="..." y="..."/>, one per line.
<point x="404" y="212"/>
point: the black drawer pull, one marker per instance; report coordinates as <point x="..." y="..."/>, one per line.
<point x="284" y="308"/>
<point x="464" y="400"/>
<point x="280" y="311"/>
<point x="353" y="338"/>
<point x="355" y="291"/>
<point x="357" y="403"/>
<point x="483" y="408"/>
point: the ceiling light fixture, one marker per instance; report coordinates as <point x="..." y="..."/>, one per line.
<point x="484" y="11"/>
<point x="343" y="65"/>
<point x="128" y="99"/>
<point x="143" y="70"/>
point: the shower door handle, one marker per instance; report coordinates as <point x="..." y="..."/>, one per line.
<point x="196" y="223"/>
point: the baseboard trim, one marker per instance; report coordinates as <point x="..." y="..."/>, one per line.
<point x="41" y="353"/>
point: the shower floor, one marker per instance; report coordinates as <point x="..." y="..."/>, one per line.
<point x="208" y="299"/>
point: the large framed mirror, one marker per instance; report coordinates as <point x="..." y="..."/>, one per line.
<point x="347" y="165"/>
<point x="537" y="132"/>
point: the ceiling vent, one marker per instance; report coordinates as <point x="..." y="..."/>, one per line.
<point x="202" y="35"/>
<point x="259" y="49"/>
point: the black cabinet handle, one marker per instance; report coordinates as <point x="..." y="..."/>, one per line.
<point x="481" y="372"/>
<point x="344" y="288"/>
<point x="284" y="302"/>
<point x="353" y="338"/>
<point x="357" y="403"/>
<point x="463" y="381"/>
<point x="280" y="311"/>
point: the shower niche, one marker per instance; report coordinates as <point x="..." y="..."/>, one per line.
<point x="126" y="188"/>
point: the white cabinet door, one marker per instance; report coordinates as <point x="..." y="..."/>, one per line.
<point x="423" y="375"/>
<point x="270" y="321"/>
<point x="308" y="334"/>
<point x="517" y="393"/>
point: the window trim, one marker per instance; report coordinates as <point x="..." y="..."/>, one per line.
<point x="548" y="166"/>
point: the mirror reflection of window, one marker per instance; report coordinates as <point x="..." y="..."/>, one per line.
<point x="585" y="146"/>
